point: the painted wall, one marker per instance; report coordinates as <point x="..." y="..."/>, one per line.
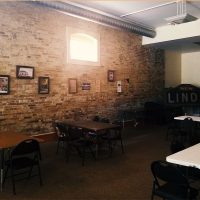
<point x="172" y="68"/>
<point x="191" y="68"/>
<point x="182" y="68"/>
<point x="36" y="36"/>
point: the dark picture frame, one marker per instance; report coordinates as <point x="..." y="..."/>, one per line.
<point x="43" y="85"/>
<point x="24" y="72"/>
<point x="4" y="84"/>
<point x="111" y="75"/>
<point x="72" y="85"/>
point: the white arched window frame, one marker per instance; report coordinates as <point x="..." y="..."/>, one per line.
<point x="83" y="47"/>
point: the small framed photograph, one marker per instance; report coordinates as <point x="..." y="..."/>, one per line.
<point x="24" y="72"/>
<point x="72" y="85"/>
<point x="111" y="75"/>
<point x="4" y="84"/>
<point x="86" y="86"/>
<point x="43" y="85"/>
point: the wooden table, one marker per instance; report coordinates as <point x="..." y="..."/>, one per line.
<point x="188" y="157"/>
<point x="8" y="140"/>
<point x="96" y="127"/>
<point x="93" y="126"/>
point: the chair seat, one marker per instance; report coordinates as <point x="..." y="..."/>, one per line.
<point x="174" y="192"/>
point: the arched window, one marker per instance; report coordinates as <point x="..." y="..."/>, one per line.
<point x="83" y="47"/>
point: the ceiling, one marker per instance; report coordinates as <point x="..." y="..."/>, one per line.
<point x="151" y="13"/>
<point x="148" y="13"/>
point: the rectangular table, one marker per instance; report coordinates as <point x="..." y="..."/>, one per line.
<point x="91" y="125"/>
<point x="96" y="127"/>
<point x="9" y="140"/>
<point x="189" y="157"/>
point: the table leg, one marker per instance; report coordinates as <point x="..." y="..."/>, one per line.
<point x="97" y="146"/>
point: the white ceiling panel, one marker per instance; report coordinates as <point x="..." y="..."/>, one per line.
<point x="151" y="13"/>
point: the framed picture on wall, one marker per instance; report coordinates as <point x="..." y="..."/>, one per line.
<point x="4" y="84"/>
<point x="72" y="85"/>
<point x="111" y="75"/>
<point x="24" y="72"/>
<point x="43" y="85"/>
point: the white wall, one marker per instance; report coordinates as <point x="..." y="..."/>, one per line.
<point x="182" y="68"/>
<point x="172" y="68"/>
<point x="190" y="68"/>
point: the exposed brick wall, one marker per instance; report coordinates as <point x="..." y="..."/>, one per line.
<point x="36" y="36"/>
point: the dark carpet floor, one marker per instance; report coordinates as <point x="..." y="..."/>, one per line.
<point x="120" y="177"/>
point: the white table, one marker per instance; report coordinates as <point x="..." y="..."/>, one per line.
<point x="194" y="118"/>
<point x="189" y="157"/>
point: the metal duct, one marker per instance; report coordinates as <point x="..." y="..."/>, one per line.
<point x="97" y="17"/>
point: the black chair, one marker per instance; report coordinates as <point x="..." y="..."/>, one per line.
<point x="169" y="182"/>
<point x="77" y="139"/>
<point x="186" y="131"/>
<point x="113" y="136"/>
<point x="21" y="161"/>
<point x="61" y="131"/>
<point x="173" y="129"/>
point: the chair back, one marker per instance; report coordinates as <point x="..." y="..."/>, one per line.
<point x="163" y="171"/>
<point x="29" y="146"/>
<point x="176" y="146"/>
<point x="188" y="124"/>
<point x="96" y="118"/>
<point x="74" y="133"/>
<point x="61" y="129"/>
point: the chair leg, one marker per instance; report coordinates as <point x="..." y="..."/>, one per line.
<point x="110" y="147"/>
<point x="58" y="144"/>
<point x="5" y="176"/>
<point x="39" y="172"/>
<point x="152" y="196"/>
<point x="67" y="152"/>
<point x="83" y="156"/>
<point x="122" y="146"/>
<point x="30" y="172"/>
<point x="93" y="154"/>
<point x="13" y="181"/>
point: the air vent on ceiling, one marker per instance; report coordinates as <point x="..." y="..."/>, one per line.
<point x="181" y="16"/>
<point x="179" y="19"/>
